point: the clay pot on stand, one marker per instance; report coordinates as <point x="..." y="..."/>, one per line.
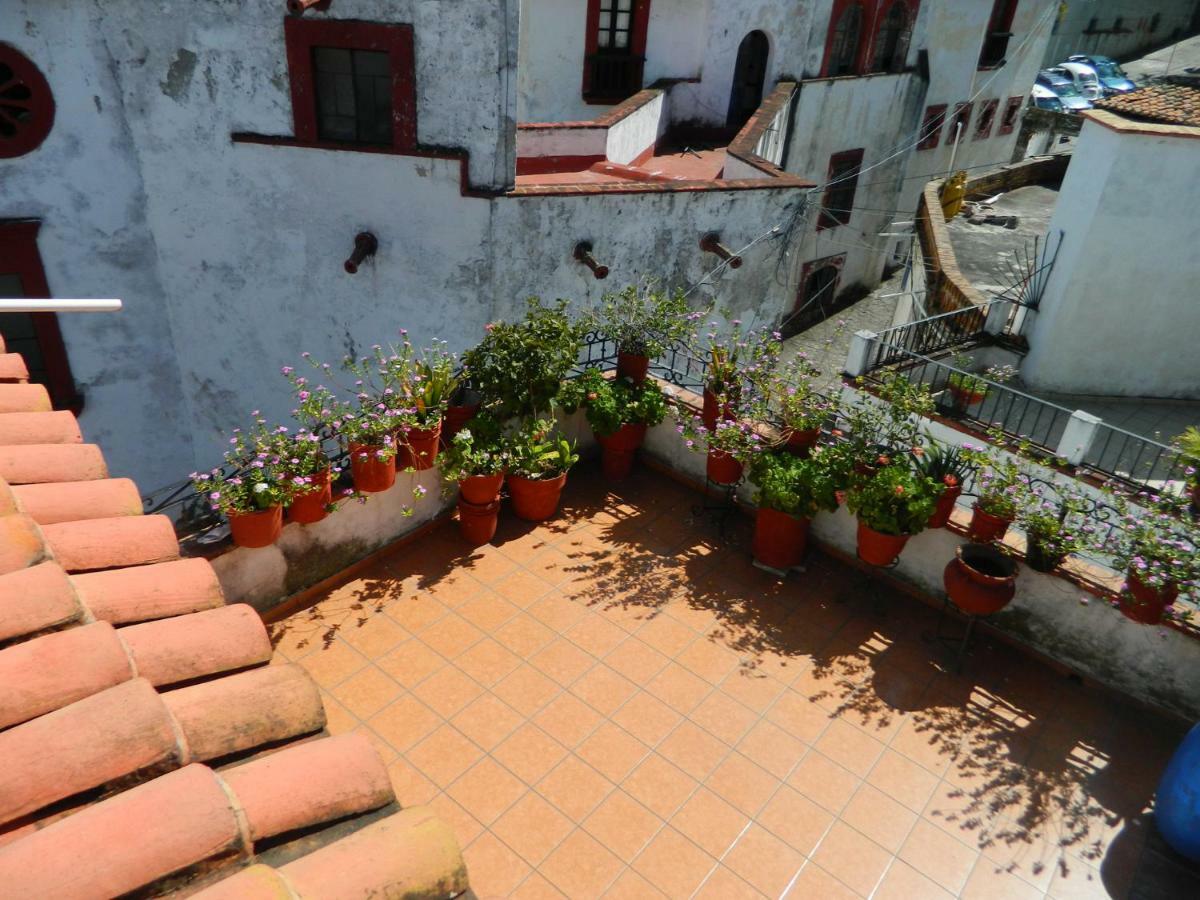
<point x="312" y="505"/>
<point x="963" y="399"/>
<point x="633" y="366"/>
<point x="878" y="549"/>
<point x="980" y="580"/>
<point x="722" y="468"/>
<point x="256" y="529"/>
<point x="780" y="539"/>
<point x="370" y="473"/>
<point x="481" y="489"/>
<point x="945" y="507"/>
<point x="1145" y="603"/>
<point x="419" y="448"/>
<point x="800" y="443"/>
<point x="618" y="450"/>
<point x="710" y="411"/>
<point x="535" y="499"/>
<point x="986" y="527"/>
<point x="477" y="521"/>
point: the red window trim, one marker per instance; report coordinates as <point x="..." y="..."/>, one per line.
<point x="1012" y="110"/>
<point x="19" y="253"/>
<point x="963" y="110"/>
<point x="980" y="133"/>
<point x="834" y="219"/>
<point x="591" y="39"/>
<point x="36" y="128"/>
<point x="302" y="35"/>
<point x="837" y="262"/>
<point x="933" y="136"/>
<point x="881" y="13"/>
<point x="866" y="30"/>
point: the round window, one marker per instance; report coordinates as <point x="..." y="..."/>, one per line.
<point x="26" y="105"/>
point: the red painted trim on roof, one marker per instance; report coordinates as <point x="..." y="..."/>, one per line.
<point x="19" y="254"/>
<point x="302" y="35"/>
<point x="546" y="165"/>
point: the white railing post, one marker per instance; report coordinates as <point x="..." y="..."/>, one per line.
<point x="859" y="356"/>
<point x="996" y="320"/>
<point x="1077" y="437"/>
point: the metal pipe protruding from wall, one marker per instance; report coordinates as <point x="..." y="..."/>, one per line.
<point x="365" y="245"/>
<point x="297" y="7"/>
<point x="583" y="253"/>
<point x="711" y="243"/>
<point x="57" y="305"/>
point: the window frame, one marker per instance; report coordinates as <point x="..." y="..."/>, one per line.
<point x="639" y="27"/>
<point x="39" y="106"/>
<point x="904" y="36"/>
<point x="988" y="107"/>
<point x="841" y="8"/>
<point x="962" y="110"/>
<point x="1012" y="112"/>
<point x="999" y="26"/>
<point x="19" y="255"/>
<point x="933" y="138"/>
<point x="302" y="36"/>
<point x="835" y="216"/>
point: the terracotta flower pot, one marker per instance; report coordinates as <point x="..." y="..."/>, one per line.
<point x="1145" y="603"/>
<point x="962" y="398"/>
<point x="477" y="521"/>
<point x="945" y="507"/>
<point x="311" y="506"/>
<point x="985" y="527"/>
<point x="780" y="539"/>
<point x="454" y="420"/>
<point x="709" y="413"/>
<point x="481" y="489"/>
<point x="878" y="549"/>
<point x="1040" y="559"/>
<point x="633" y="366"/>
<point x="370" y="473"/>
<point x="1196" y="497"/>
<point x="980" y="580"/>
<point x="722" y="468"/>
<point x="419" y="448"/>
<point x="257" y="529"/>
<point x="619" y="448"/>
<point x="800" y="443"/>
<point x="535" y="499"/>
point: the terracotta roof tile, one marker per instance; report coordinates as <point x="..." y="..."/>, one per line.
<point x="1175" y="101"/>
<point x="12" y="368"/>
<point x="170" y="651"/>
<point x="36" y="599"/>
<point x="39" y="428"/>
<point x="33" y="463"/>
<point x="21" y="543"/>
<point x="142" y="593"/>
<point x="72" y="501"/>
<point x="23" y="398"/>
<point x="90" y="544"/>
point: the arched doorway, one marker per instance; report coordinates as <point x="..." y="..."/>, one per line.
<point x="816" y="298"/>
<point x="749" y="73"/>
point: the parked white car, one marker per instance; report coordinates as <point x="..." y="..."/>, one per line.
<point x="1085" y="79"/>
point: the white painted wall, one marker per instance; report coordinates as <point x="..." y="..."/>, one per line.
<point x="1098" y="330"/>
<point x="1175" y="18"/>
<point x="638" y="131"/>
<point x="539" y="142"/>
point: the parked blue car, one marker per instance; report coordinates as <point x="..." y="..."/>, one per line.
<point x="1060" y="84"/>
<point x="1112" y="78"/>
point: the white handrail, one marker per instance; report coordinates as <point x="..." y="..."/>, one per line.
<point x="30" y="305"/>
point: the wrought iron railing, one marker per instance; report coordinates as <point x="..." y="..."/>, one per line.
<point x="1133" y="459"/>
<point x="935" y="334"/>
<point x="614" y="76"/>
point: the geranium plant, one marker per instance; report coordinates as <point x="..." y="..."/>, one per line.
<point x="518" y="368"/>
<point x="480" y="448"/>
<point x="897" y="500"/>
<point x="612" y="402"/>
<point x="798" y="487"/>
<point x="643" y="319"/>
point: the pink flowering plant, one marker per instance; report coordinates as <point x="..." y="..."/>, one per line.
<point x="1002" y="486"/>
<point x="1156" y="541"/>
<point x="739" y="358"/>
<point x="1054" y="523"/>
<point x="303" y="452"/>
<point x="253" y="479"/>
<point x="737" y="437"/>
<point x="788" y="393"/>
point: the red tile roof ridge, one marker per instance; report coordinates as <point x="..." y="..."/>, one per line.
<point x="24" y="398"/>
<point x="36" y="463"/>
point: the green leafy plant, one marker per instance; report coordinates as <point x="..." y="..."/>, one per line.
<point x="643" y="319"/>
<point x="410" y="388"/>
<point x="1189" y="448"/>
<point x="613" y="402"/>
<point x="518" y="368"/>
<point x="1054" y="525"/>
<point x="891" y="426"/>
<point x="1155" y="540"/>
<point x="258" y="478"/>
<point x="739" y="357"/>
<point x="896" y="500"/>
<point x="788" y="393"/>
<point x="1001" y="483"/>
<point x="798" y="487"/>
<point x="968" y="383"/>
<point x="480" y="448"/>
<point x="945" y="464"/>
<point x="538" y="451"/>
<point x="737" y="437"/>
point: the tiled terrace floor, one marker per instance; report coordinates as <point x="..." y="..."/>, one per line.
<point x="616" y="703"/>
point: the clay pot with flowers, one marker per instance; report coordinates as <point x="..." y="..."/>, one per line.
<point x="475" y="461"/>
<point x="418" y="385"/>
<point x="1054" y="527"/>
<point x="787" y="394"/>
<point x="728" y="447"/>
<point x="250" y="490"/>
<point x="643" y="320"/>
<point x="1001" y="487"/>
<point x="946" y="465"/>
<point x="790" y="491"/>
<point x="881" y="427"/>
<point x="1159" y="553"/>
<point x="737" y="358"/>
<point x="891" y="506"/>
<point x="539" y="459"/>
<point x="619" y="412"/>
<point x="304" y="459"/>
<point x="967" y="389"/>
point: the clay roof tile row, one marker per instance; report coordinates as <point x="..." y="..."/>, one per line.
<point x="1174" y="101"/>
<point x="126" y="678"/>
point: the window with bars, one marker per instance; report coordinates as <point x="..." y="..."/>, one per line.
<point x="838" y="201"/>
<point x="995" y="43"/>
<point x="931" y="127"/>
<point x="614" y="26"/>
<point x="615" y="49"/>
<point x="354" y="96"/>
<point x="959" y="123"/>
<point x="844" y="46"/>
<point x="895" y="33"/>
<point x="987" y="118"/>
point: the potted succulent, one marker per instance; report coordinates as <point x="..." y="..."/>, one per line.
<point x="1159" y="555"/>
<point x="539" y="459"/>
<point x="980" y="580"/>
<point x="1051" y="534"/>
<point x="518" y="368"/>
<point x="253" y="493"/>
<point x="476" y="460"/>
<point x="944" y="464"/>
<point x="790" y="491"/>
<point x="619" y="411"/>
<point x="643" y="320"/>
<point x="891" y="506"/>
<point x="1189" y="449"/>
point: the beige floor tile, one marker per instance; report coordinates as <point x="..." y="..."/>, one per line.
<point x="495" y="869"/>
<point x="852" y="858"/>
<point x="532" y="827"/>
<point x="742" y="783"/>
<point x="486" y="790"/>
<point x="529" y="753"/>
<point x="659" y="785"/>
<point x="444" y="755"/>
<point x="612" y="751"/>
<point x="710" y="822"/>
<point x="575" y="788"/>
<point x="622" y="825"/>
<point x="764" y="861"/>
<point x="673" y="864"/>
<point x="794" y="818"/>
<point x="581" y="867"/>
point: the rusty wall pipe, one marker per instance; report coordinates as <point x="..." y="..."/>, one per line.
<point x="583" y="253"/>
<point x="711" y="243"/>
<point x="365" y="245"/>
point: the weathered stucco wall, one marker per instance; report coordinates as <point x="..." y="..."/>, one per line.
<point x="1097" y="331"/>
<point x="1145" y="24"/>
